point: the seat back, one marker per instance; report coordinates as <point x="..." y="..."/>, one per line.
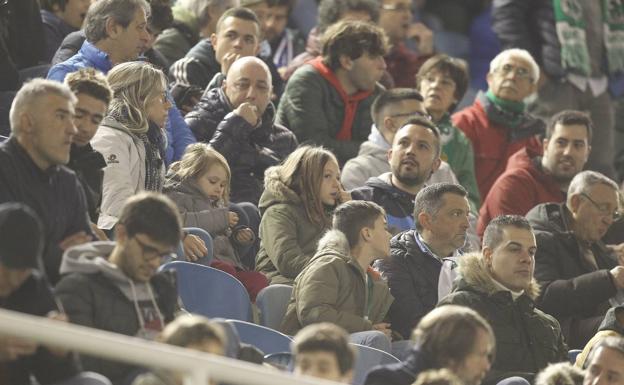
<point x="210" y="292"/>
<point x="282" y="360"/>
<point x="265" y="339"/>
<point x="272" y="302"/>
<point x="368" y="358"/>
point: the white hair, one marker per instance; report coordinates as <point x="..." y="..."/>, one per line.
<point x="584" y="180"/>
<point x="27" y="98"/>
<point x="520" y="54"/>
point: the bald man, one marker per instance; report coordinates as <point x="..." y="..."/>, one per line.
<point x="237" y="119"/>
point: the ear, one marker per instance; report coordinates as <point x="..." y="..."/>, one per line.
<point x="545" y="144"/>
<point x="575" y="202"/>
<point x="26" y="123"/>
<point x="112" y="28"/>
<point x="487" y="255"/>
<point x="365" y="233"/>
<point x="346" y="62"/>
<point x="389" y="154"/>
<point x="213" y="40"/>
<point x="533" y="88"/>
<point x="488" y="78"/>
<point x="257" y="50"/>
<point x="424" y="219"/>
<point x="389" y="125"/>
<point x="436" y="164"/>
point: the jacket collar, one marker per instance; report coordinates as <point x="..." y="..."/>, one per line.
<point x="97" y="57"/>
<point x="44" y="175"/>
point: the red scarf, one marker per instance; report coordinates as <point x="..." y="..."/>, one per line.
<point x="350" y="102"/>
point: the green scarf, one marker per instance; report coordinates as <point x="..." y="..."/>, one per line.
<point x="507" y="105"/>
<point x="570" y="25"/>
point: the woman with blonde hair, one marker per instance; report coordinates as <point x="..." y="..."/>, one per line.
<point x="296" y="205"/>
<point x="199" y="184"/>
<point x="131" y="137"/>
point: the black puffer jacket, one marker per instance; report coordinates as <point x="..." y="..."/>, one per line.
<point x="88" y="165"/>
<point x="248" y="150"/>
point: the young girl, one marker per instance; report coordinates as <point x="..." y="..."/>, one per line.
<point x="296" y="207"/>
<point x="200" y="186"/>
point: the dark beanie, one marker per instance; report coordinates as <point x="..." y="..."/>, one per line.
<point x="20" y="236"/>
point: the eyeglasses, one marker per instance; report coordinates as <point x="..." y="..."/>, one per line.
<point x="604" y="209"/>
<point x="520" y="72"/>
<point x="150" y="253"/>
<point x="396" y="7"/>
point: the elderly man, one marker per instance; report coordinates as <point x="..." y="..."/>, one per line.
<point x="497" y="124"/>
<point x="498" y="283"/>
<point x="578" y="273"/>
<point x="42" y="130"/>
<point x="237" y="119"/>
<point x="419" y="270"/>
<point x="531" y="179"/>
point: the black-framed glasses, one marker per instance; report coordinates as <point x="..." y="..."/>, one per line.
<point x="604" y="209"/>
<point x="150" y="253"/>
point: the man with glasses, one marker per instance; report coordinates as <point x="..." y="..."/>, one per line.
<point x="580" y="276"/>
<point x="497" y="124"/>
<point x="114" y="286"/>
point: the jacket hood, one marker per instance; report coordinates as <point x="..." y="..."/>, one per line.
<point x="370" y="148"/>
<point x="474" y="273"/>
<point x="116" y="125"/>
<point x="610" y="321"/>
<point x="549" y="217"/>
<point x="384" y="182"/>
<point x="276" y="191"/>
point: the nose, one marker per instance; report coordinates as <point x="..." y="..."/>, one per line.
<point x="71" y="128"/>
<point x="238" y="43"/>
<point x="382" y="63"/>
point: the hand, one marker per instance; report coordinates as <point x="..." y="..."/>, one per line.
<point x="194" y="247"/>
<point x="249" y="112"/>
<point x="424" y="37"/>
<point x="343" y="196"/>
<point x="383" y="327"/>
<point x="12" y="348"/>
<point x="233" y="219"/>
<point x="618" y="276"/>
<point x="75" y="239"/>
<point x="227" y="61"/>
<point x="618" y="251"/>
<point x="244" y="236"/>
<point x="99" y="234"/>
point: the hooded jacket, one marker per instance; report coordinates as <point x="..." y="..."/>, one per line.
<point x="249" y="150"/>
<point x="334" y="288"/>
<point x="522" y="186"/>
<point x="176" y="41"/>
<point x="611" y="326"/>
<point x="96" y="293"/>
<point x="527" y="339"/>
<point x="575" y="293"/>
<point x="288" y="239"/>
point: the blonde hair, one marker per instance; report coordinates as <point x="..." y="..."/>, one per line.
<point x="134" y="85"/>
<point x="197" y="159"/>
<point x="302" y="172"/>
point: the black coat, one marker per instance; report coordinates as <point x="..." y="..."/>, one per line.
<point x="402" y="373"/>
<point x="88" y="165"/>
<point x="573" y="292"/>
<point x="248" y="150"/>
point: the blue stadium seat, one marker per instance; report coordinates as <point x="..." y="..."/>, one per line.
<point x="572" y="355"/>
<point x="368" y="358"/>
<point x="265" y="339"/>
<point x="272" y="302"/>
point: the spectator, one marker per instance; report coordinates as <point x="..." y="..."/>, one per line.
<point x="420" y="269"/>
<point x="130" y="137"/>
<point x="93" y="93"/>
<point x="390" y="110"/>
<point x="561" y="373"/>
<point x="339" y="286"/>
<point x="60" y="18"/>
<point x="443" y="80"/>
<point x="238" y="119"/>
<point x="296" y="203"/>
<point x="451" y="337"/>
<point x="414" y="155"/>
<point x="612" y="326"/>
<point x="328" y="101"/>
<point x="286" y="43"/>
<point x="498" y="283"/>
<point x="531" y="179"/>
<point x="192" y="20"/>
<point x="114" y="286"/>
<point x="606" y="363"/>
<point x="42" y="130"/>
<point x="322" y="350"/>
<point x="25" y="289"/>
<point x="577" y="272"/>
<point x="497" y="124"/>
<point x="188" y="331"/>
<point x="581" y="69"/>
<point x="199" y="184"/>
<point x="437" y="377"/>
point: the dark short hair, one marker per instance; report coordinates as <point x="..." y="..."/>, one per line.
<point x="430" y="199"/>
<point x="332" y="11"/>
<point x="239" y="13"/>
<point x="493" y="234"/>
<point x="326" y="337"/>
<point x="570" y="117"/>
<point x="282" y="3"/>
<point x="90" y="81"/>
<point x="390" y="97"/>
<point x="453" y="67"/>
<point x="447" y="334"/>
<point x="48" y="5"/>
<point x="353" y="39"/>
<point x="154" y="215"/>
<point x="121" y="11"/>
<point x="351" y="217"/>
<point x="424" y="122"/>
<point x="161" y="16"/>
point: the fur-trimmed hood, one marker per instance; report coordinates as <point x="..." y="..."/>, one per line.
<point x="276" y="191"/>
<point x="474" y="273"/>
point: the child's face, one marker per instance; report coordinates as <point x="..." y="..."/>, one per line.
<point x="320" y="364"/>
<point x="213" y="182"/>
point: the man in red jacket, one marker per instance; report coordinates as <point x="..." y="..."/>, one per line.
<point x="531" y="179"/>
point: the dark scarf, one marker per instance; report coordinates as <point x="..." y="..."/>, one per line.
<point x="155" y="147"/>
<point x="512" y="116"/>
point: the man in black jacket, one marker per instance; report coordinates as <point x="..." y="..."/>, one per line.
<point x="420" y="270"/>
<point x="237" y="120"/>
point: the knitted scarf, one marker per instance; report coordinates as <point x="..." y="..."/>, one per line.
<point x="154" y="154"/>
<point x="570" y="27"/>
<point x="510" y="115"/>
<point x="350" y="101"/>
